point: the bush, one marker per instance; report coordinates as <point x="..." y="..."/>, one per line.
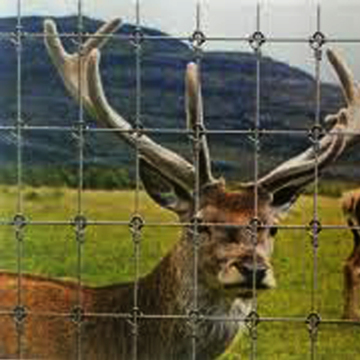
<point x="94" y="177"/>
<point x="32" y="195"/>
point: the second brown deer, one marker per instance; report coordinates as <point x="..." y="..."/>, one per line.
<point x="196" y="299"/>
<point x="351" y="209"/>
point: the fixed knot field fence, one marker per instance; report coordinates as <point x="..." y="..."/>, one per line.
<point x="122" y="238"/>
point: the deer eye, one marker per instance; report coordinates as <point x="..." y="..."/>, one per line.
<point x="273" y="231"/>
<point x="232" y="234"/>
<point x="201" y="227"/>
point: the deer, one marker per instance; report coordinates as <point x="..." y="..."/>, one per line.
<point x="351" y="268"/>
<point x="230" y="233"/>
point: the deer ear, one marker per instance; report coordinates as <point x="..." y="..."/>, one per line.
<point x="164" y="191"/>
<point x="283" y="199"/>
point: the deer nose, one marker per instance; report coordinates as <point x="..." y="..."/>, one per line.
<point x="252" y="273"/>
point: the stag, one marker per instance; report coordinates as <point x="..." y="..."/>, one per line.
<point x="351" y="269"/>
<point x="233" y="250"/>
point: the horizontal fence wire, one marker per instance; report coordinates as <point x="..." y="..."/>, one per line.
<point x="186" y="38"/>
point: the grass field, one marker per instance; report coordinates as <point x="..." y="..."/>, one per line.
<point x="107" y="258"/>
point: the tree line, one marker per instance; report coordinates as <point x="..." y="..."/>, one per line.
<point x="93" y="176"/>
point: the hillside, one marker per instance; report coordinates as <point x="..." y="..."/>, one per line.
<point x="229" y="87"/>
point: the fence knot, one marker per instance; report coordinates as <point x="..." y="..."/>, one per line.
<point x="136" y="223"/>
<point x="315" y="134"/>
<point x="137" y="37"/>
<point x="80" y="222"/>
<point x="256" y="40"/>
<point x="198" y="38"/>
<point x="19" y="221"/>
<point x="19" y="314"/>
<point x="77" y="314"/>
<point x="312" y="321"/>
<point x="317" y="40"/>
<point x="251" y="321"/>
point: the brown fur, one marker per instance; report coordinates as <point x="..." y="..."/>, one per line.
<point x="242" y="201"/>
<point x="49" y="332"/>
<point x="351" y="269"/>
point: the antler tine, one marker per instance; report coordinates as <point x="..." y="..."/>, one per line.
<point x="53" y="43"/>
<point x="299" y="171"/>
<point x="352" y="96"/>
<point x="195" y="121"/>
<point x="97" y="40"/>
<point x="170" y="163"/>
<point x="344" y="74"/>
<point x="70" y="66"/>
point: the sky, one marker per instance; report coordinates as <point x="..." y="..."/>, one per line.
<point x="228" y="18"/>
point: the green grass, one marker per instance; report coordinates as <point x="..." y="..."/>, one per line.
<point x="108" y="258"/>
<point x="108" y="250"/>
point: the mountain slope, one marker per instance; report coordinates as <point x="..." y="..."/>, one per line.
<point x="287" y="100"/>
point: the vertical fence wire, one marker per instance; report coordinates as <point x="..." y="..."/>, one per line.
<point x="317" y="51"/>
<point x="256" y="148"/>
<point x="256" y="43"/>
<point x="136" y="221"/>
<point x="313" y="317"/>
<point x="197" y="138"/>
<point x="19" y="220"/>
<point x="79" y="219"/>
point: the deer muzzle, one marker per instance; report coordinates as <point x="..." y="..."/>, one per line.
<point x="246" y="273"/>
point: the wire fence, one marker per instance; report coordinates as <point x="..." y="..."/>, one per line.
<point x="80" y="222"/>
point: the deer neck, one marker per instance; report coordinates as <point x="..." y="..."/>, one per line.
<point x="169" y="290"/>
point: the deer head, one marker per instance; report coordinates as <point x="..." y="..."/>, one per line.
<point x="234" y="229"/>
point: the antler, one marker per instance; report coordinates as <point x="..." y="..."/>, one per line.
<point x="294" y="174"/>
<point x="195" y="121"/>
<point x="81" y="76"/>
